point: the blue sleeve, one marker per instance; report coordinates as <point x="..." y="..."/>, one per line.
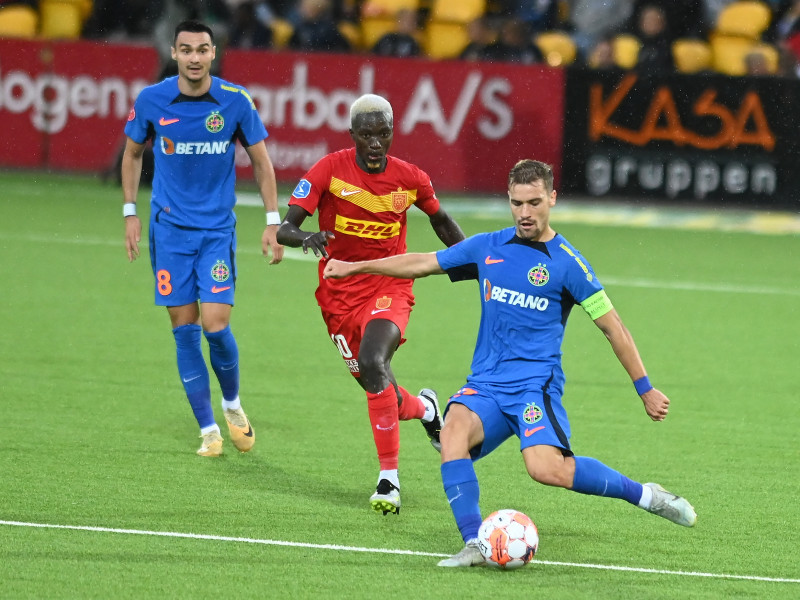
<point x="251" y="127"/>
<point x="459" y="261"/>
<point x="138" y="127"/>
<point x="580" y="280"/>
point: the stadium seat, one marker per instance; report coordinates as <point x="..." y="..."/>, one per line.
<point x="445" y="40"/>
<point x="351" y="32"/>
<point x="446" y="32"/>
<point x="626" y="50"/>
<point x="63" y="18"/>
<point x="18" y="21"/>
<point x="374" y="29"/>
<point x="557" y="47"/>
<point x="691" y="55"/>
<point x="282" y="31"/>
<point x="376" y="8"/>
<point x="458" y="11"/>
<point x="728" y="52"/>
<point x="745" y="18"/>
<point x="379" y="17"/>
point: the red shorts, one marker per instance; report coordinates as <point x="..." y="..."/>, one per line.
<point x="346" y="330"/>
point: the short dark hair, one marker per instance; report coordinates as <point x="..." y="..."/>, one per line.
<point x="528" y="171"/>
<point x="192" y="26"/>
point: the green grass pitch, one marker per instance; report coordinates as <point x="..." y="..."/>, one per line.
<point x="98" y="437"/>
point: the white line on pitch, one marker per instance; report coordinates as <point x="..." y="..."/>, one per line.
<point x="224" y="538"/>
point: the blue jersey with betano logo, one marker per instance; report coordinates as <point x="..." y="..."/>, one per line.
<point x="194" y="147"/>
<point x="527" y="292"/>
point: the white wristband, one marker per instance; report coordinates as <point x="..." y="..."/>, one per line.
<point x="129" y="209"/>
<point x="273" y="218"/>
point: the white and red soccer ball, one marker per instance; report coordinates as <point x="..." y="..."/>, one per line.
<point x="508" y="539"/>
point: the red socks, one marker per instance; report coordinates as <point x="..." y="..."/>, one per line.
<point x="411" y="408"/>
<point x="382" y="409"/>
<point x="385" y="417"/>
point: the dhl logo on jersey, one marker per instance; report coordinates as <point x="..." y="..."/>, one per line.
<point x="366" y="229"/>
<point x="397" y="201"/>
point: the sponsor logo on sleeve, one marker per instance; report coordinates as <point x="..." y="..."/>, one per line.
<point x="303" y="189"/>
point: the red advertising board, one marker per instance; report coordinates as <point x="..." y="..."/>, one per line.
<point x="64" y="104"/>
<point x="464" y="123"/>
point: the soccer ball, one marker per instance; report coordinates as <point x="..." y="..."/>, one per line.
<point x="508" y="539"/>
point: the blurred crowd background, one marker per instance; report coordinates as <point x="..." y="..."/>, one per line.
<point x="732" y="37"/>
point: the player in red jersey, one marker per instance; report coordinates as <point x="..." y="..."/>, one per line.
<point x="362" y="195"/>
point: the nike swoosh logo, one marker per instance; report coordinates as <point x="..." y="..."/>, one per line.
<point x="375" y="312"/>
<point x="384" y="428"/>
<point x="162" y="121"/>
<point x="190" y="379"/>
<point x="493" y="261"/>
<point x="249" y="432"/>
<point x="349" y="192"/>
<point x="530" y="432"/>
<point x="453" y="499"/>
<point x="216" y="290"/>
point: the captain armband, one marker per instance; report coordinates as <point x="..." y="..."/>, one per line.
<point x="597" y="305"/>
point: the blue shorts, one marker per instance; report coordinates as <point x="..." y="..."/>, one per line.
<point x="533" y="413"/>
<point x="192" y="264"/>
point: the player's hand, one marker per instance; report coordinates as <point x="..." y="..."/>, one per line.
<point x="336" y="269"/>
<point x="133" y="235"/>
<point x="317" y="243"/>
<point x="656" y="404"/>
<point x="269" y="240"/>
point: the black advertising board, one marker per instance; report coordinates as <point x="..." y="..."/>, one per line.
<point x="694" y="138"/>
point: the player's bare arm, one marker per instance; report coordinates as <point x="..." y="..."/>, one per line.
<point x="402" y="266"/>
<point x="446" y="228"/>
<point x="656" y="404"/>
<point x="131" y="172"/>
<point x="264" y="173"/>
<point x="290" y="234"/>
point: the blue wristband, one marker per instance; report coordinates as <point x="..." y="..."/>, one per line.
<point x="643" y="385"/>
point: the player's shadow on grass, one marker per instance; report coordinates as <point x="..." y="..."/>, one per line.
<point x="273" y="475"/>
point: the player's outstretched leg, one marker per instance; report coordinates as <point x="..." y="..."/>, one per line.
<point x="433" y="427"/>
<point x="594" y="478"/>
<point x="469" y="556"/>
<point x="386" y="498"/>
<point x="242" y="434"/>
<point x="670" y="506"/>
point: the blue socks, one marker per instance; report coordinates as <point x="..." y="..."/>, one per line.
<point x="594" y="478"/>
<point x="224" y="355"/>
<point x="591" y="477"/>
<point x="461" y="487"/>
<point x="194" y="373"/>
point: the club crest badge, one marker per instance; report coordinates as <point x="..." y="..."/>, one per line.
<point x="532" y="414"/>
<point x="399" y="201"/>
<point x="220" y="271"/>
<point x="215" y="122"/>
<point x="383" y="303"/>
<point x="538" y="275"/>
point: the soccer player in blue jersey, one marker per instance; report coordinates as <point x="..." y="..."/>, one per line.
<point x="529" y="278"/>
<point x="194" y="121"/>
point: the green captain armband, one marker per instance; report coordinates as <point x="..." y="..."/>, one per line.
<point x="597" y="305"/>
